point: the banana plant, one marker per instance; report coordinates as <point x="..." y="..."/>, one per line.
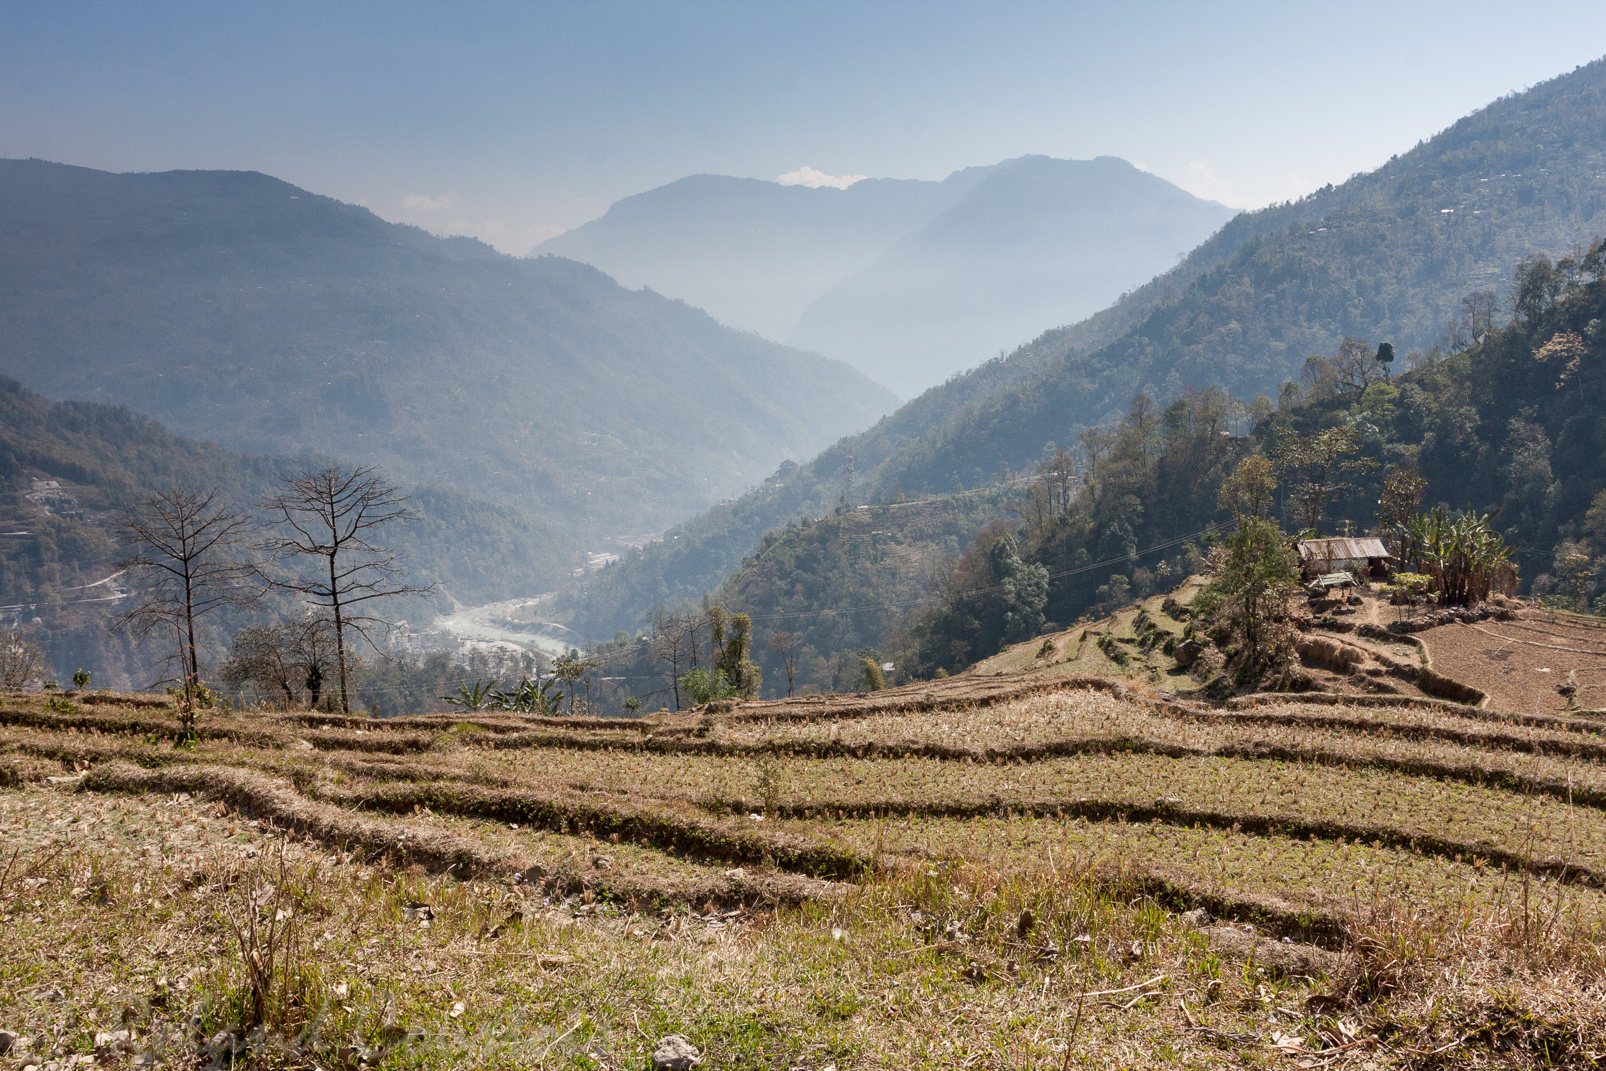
<point x="532" y="697"/>
<point x="476" y="697"/>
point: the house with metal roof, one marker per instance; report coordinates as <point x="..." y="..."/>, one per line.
<point x="1365" y="555"/>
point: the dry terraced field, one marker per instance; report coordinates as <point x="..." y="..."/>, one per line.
<point x="975" y="872"/>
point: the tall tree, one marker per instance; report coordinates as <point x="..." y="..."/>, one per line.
<point x="182" y="559"/>
<point x="735" y="660"/>
<point x="784" y="644"/>
<point x="1317" y="468"/>
<point x="333" y="515"/>
<point x="1402" y="495"/>
<point x="22" y="662"/>
<point x="1247" y="493"/>
<point x="674" y="643"/>
<point x="1385" y="358"/>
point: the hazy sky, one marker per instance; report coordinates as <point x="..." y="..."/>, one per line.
<point x="516" y="121"/>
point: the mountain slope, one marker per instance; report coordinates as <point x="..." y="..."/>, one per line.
<point x="1037" y="242"/>
<point x="1387" y="255"/>
<point x="754" y="253"/>
<point x="239" y="308"/>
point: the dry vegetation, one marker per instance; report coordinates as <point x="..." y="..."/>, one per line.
<point x="981" y="872"/>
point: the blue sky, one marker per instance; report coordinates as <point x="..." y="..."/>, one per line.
<point x="515" y="121"/>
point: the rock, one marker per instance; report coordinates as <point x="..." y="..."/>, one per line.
<point x="1025" y="924"/>
<point x="736" y="874"/>
<point x="420" y="913"/>
<point x="1280" y="959"/>
<point x="1187" y="653"/>
<point x="675" y="1053"/>
<point x="8" y="1041"/>
<point x="1198" y="917"/>
<point x="603" y="862"/>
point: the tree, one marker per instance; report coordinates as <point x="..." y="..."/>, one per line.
<point x="183" y="564"/>
<point x="735" y="660"/>
<point x="22" y="662"/>
<point x="1385" y="357"/>
<point x="1402" y="495"/>
<point x="1318" y="467"/>
<point x="674" y="642"/>
<point x="783" y="644"/>
<point x="1247" y="493"/>
<point x="1058" y="474"/>
<point x="1249" y="596"/>
<point x="1476" y="321"/>
<point x="1355" y="365"/>
<point x="571" y="669"/>
<point x="289" y="657"/>
<point x="334" y="514"/>
<point x="871" y="676"/>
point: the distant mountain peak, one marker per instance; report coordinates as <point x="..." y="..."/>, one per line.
<point x="784" y="258"/>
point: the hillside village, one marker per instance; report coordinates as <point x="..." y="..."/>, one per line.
<point x="1217" y="680"/>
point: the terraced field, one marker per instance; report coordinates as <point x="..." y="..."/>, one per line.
<point x="1372" y="864"/>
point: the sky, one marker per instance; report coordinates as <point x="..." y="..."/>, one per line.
<point x="515" y="121"/>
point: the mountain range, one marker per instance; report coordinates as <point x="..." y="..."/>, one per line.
<point x="241" y="309"/>
<point x="909" y="281"/>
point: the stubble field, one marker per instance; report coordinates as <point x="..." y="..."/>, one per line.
<point x="1009" y="872"/>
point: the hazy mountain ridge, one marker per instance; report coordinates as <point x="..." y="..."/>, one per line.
<point x="240" y="308"/>
<point x="1037" y="242"/>
<point x="750" y="252"/>
<point x="909" y="281"/>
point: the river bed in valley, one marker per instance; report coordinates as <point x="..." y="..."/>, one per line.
<point x="511" y="621"/>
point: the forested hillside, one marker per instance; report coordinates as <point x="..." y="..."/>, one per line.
<point x="1389" y="254"/>
<point x="68" y="469"/>
<point x="1513" y="426"/>
<point x="238" y="308"/>
<point x="1243" y="310"/>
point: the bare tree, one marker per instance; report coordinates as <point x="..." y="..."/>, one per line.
<point x="334" y="514"/>
<point x="784" y="644"/>
<point x="22" y="663"/>
<point x="183" y="561"/>
<point x="673" y="642"/>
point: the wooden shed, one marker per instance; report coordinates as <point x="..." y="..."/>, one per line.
<point x="1367" y="556"/>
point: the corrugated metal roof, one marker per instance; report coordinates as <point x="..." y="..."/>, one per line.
<point x="1342" y="549"/>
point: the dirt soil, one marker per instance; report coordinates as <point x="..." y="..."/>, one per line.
<point x="1523" y="665"/>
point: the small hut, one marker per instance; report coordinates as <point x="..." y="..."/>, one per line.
<point x="1367" y="556"/>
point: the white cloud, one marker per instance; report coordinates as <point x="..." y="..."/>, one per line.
<point x="807" y="176"/>
<point x="1202" y="182"/>
<point x="429" y="204"/>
